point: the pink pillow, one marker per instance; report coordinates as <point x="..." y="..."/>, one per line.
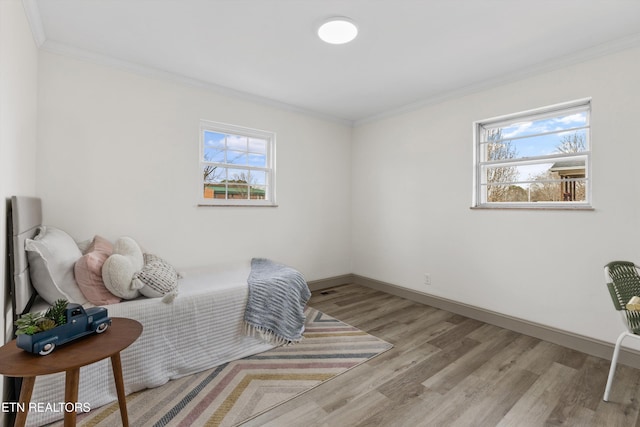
<point x="88" y="272"/>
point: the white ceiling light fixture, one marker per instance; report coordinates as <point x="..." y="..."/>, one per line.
<point x="338" y="30"/>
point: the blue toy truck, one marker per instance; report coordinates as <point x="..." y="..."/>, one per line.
<point x="80" y="322"/>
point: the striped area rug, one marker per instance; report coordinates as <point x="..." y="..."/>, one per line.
<point x="242" y="389"/>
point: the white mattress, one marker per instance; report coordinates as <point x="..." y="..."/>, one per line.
<point x="200" y="329"/>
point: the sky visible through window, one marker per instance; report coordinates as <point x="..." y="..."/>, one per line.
<point x="543" y="137"/>
<point x="238" y="155"/>
<point x="234" y="149"/>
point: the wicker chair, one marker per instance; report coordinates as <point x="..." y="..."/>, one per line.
<point x="623" y="282"/>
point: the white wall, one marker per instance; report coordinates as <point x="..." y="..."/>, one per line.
<point x="412" y="184"/>
<point x="18" y="99"/>
<point x="118" y="155"/>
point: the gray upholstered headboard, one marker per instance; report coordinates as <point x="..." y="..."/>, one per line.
<point x="25" y="215"/>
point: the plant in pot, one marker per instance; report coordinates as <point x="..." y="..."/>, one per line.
<point x="32" y="323"/>
<point x="63" y="322"/>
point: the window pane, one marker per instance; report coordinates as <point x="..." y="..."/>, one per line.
<point x="236" y="157"/>
<point x="236" y="142"/>
<point x="214" y="146"/>
<point x="258" y="178"/>
<point x="213" y="174"/>
<point x="565" y="168"/>
<point x="238" y="175"/>
<point x="212" y="154"/>
<point x="557" y="182"/>
<point x="212" y="191"/>
<point x="258" y="160"/>
<point x="518" y="173"/>
<point x="257" y="146"/>
<point x="506" y="193"/>
<point x="208" y="191"/>
<point x="559" y="191"/>
<point x="258" y="192"/>
<point x="214" y="140"/>
<point x="237" y="190"/>
<point x="540" y="145"/>
<point x="553" y="124"/>
<point x="563" y="191"/>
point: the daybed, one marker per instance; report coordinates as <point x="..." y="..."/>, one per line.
<point x="201" y="328"/>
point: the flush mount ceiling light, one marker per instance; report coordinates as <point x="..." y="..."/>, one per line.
<point x="338" y="30"/>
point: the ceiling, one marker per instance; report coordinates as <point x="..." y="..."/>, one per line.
<point x="407" y="53"/>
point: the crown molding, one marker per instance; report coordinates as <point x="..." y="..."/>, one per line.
<point x="32" y="13"/>
<point x="598" y="51"/>
<point x="85" y="55"/>
<point x="35" y="21"/>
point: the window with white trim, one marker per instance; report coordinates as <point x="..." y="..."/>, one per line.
<point x="534" y="159"/>
<point x="237" y="165"/>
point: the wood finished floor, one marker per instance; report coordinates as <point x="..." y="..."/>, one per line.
<point x="449" y="370"/>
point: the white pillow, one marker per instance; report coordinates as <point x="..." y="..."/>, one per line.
<point x="119" y="268"/>
<point x="52" y="254"/>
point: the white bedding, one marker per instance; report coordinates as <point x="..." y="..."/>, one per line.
<point x="200" y="329"/>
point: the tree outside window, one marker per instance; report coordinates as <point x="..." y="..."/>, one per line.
<point x="534" y="159"/>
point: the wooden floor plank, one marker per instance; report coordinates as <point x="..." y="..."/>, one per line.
<point x="540" y="400"/>
<point x="448" y="370"/>
<point x="499" y="399"/>
<point x="453" y="374"/>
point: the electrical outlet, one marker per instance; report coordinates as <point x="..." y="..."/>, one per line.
<point x="427" y="279"/>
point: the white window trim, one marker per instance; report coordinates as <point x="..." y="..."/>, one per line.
<point x="270" y="200"/>
<point x="537" y="113"/>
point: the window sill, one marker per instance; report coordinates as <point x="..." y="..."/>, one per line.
<point x="245" y="205"/>
<point x="534" y="208"/>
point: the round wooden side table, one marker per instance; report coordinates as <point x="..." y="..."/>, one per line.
<point x="69" y="358"/>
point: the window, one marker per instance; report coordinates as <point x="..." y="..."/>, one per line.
<point x="237" y="165"/>
<point x="535" y="159"/>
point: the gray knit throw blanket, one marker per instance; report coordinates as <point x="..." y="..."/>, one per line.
<point x="277" y="298"/>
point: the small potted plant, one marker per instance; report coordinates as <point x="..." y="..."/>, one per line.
<point x="63" y="322"/>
